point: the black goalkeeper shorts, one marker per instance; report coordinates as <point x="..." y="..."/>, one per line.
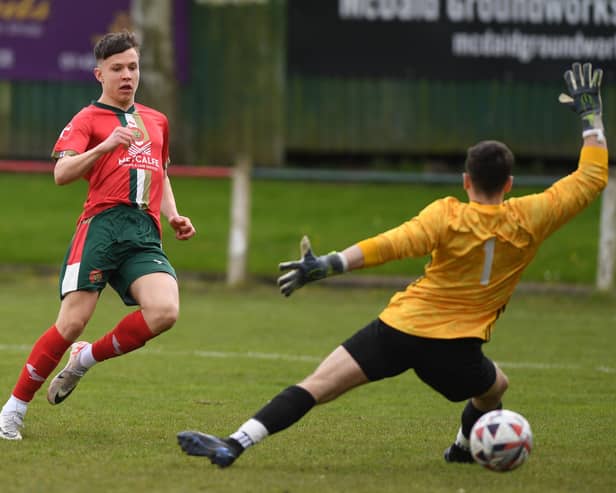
<point x="456" y="368"/>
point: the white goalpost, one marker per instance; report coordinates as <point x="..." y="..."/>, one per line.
<point x="607" y="236"/>
<point x="239" y="230"/>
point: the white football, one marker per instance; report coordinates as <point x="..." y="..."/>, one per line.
<point x="501" y="440"/>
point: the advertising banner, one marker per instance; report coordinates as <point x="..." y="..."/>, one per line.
<point x="449" y="39"/>
<point x="53" y="40"/>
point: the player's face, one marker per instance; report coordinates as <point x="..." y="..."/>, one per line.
<point x="119" y="77"/>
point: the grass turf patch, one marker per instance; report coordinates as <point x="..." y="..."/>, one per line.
<point x="232" y="350"/>
<point x="39" y="220"/>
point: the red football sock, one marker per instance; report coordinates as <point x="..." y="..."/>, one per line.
<point x="44" y="357"/>
<point x="131" y="333"/>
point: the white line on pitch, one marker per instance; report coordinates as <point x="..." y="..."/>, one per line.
<point x="523" y="365"/>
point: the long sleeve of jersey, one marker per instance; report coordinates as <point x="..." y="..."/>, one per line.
<point x="545" y="212"/>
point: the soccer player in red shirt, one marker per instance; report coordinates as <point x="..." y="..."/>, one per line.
<point x="439" y="323"/>
<point x="122" y="149"/>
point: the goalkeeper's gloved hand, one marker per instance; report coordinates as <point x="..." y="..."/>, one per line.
<point x="584" y="97"/>
<point x="309" y="268"/>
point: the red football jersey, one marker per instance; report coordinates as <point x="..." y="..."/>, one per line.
<point x="133" y="175"/>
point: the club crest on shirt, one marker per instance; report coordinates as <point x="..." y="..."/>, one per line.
<point x="138" y="135"/>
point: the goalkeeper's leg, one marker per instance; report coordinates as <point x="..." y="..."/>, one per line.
<point x="338" y="373"/>
<point x="476" y="407"/>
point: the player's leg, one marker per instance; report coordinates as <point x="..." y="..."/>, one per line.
<point x="492" y="399"/>
<point x="79" y="285"/>
<point x="86" y="270"/>
<point x="371" y="354"/>
<point x="144" y="277"/>
<point x="458" y="369"/>
<point x="338" y="373"/>
<point x="140" y="272"/>
<point x="476" y="407"/>
<point x="157" y="295"/>
<point x="75" y="311"/>
<point x="486" y="402"/>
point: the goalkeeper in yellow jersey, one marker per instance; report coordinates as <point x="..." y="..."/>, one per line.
<point x="438" y="324"/>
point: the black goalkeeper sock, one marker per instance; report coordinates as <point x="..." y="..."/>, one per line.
<point x="235" y="445"/>
<point x="285" y="409"/>
<point x="470" y="415"/>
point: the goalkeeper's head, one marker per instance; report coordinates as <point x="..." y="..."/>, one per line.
<point x="488" y="167"/>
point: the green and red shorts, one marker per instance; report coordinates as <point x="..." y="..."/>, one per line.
<point x="117" y="246"/>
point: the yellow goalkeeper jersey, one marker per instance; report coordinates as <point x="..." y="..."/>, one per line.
<point x="478" y="252"/>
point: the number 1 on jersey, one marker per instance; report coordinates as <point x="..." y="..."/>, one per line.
<point x="488" y="248"/>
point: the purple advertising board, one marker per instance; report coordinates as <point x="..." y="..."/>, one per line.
<point x="53" y="39"/>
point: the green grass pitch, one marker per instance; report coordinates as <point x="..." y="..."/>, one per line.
<point x="231" y="351"/>
<point x="39" y="220"/>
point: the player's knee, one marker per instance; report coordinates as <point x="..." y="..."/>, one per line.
<point x="324" y="388"/>
<point x="71" y="329"/>
<point x="493" y="397"/>
<point x="161" y="317"/>
<point x="502" y="382"/>
<point x="499" y="388"/>
<point x="168" y="315"/>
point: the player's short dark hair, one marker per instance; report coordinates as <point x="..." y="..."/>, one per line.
<point x="114" y="43"/>
<point x="489" y="164"/>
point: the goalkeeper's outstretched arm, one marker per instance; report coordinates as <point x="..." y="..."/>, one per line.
<point x="311" y="268"/>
